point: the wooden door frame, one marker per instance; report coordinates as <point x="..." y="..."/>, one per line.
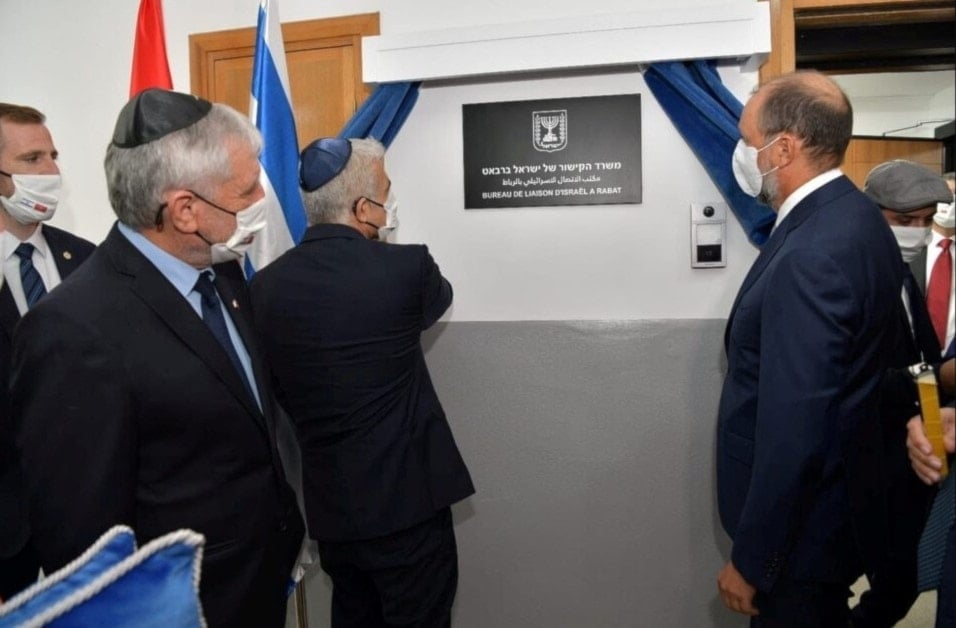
<point x="785" y="13"/>
<point x="207" y="48"/>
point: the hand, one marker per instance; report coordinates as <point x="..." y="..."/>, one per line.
<point x="947" y="377"/>
<point x="736" y="592"/>
<point x="924" y="463"/>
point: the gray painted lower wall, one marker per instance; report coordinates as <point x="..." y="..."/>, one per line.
<point x="591" y="446"/>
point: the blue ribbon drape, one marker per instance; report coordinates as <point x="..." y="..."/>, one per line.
<point x="383" y="113"/>
<point x="706" y="115"/>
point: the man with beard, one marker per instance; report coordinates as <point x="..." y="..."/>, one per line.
<point x="798" y="444"/>
<point x="907" y="194"/>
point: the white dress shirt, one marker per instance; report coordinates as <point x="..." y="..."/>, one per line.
<point x="804" y="191"/>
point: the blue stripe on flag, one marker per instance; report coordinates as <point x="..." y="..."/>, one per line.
<point x="274" y="119"/>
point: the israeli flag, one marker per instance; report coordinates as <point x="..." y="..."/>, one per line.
<point x="271" y="110"/>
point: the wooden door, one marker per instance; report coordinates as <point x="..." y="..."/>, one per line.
<point x="324" y="60"/>
<point x="865" y="153"/>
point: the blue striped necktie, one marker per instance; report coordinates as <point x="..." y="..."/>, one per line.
<point x="30" y="279"/>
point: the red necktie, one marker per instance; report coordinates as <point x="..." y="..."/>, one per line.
<point x="939" y="289"/>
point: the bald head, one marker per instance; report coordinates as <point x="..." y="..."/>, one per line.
<point x="813" y="108"/>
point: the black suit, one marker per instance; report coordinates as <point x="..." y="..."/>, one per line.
<point x="18" y="563"/>
<point x="946" y="593"/>
<point x="341" y="320"/>
<point x="893" y="587"/>
<point x="129" y="411"/>
<point x="917" y="266"/>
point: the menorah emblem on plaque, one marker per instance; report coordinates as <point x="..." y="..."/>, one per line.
<point x="550" y="130"/>
<point x="549" y="122"/>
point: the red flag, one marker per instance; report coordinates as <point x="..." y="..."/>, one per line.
<point x="150" y="67"/>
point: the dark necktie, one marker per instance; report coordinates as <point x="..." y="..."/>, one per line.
<point x="938" y="290"/>
<point x="214" y="319"/>
<point x="30" y="279"/>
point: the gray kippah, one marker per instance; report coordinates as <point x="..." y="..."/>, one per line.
<point x="904" y="186"/>
<point x="154" y="113"/>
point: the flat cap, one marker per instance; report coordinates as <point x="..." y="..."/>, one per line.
<point x="322" y="161"/>
<point x="904" y="186"/>
<point x="155" y="113"/>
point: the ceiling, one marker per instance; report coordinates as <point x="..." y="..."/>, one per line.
<point x="913" y="36"/>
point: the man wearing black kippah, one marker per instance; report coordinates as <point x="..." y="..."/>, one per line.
<point x="341" y="317"/>
<point x="139" y="391"/>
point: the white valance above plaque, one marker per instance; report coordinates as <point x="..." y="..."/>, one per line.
<point x="735" y="30"/>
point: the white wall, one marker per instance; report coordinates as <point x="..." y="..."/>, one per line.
<point x="419" y="15"/>
<point x="897" y="104"/>
<point x="72" y="61"/>
<point x="583" y="262"/>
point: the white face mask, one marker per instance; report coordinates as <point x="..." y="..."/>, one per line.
<point x="911" y="240"/>
<point x="945" y="215"/>
<point x="34" y="197"/>
<point x="249" y="222"/>
<point x="746" y="170"/>
<point x="391" y="213"/>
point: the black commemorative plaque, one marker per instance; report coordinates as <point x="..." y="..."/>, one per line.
<point x="561" y="151"/>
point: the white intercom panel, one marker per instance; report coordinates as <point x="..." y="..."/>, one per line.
<point x="708" y="235"/>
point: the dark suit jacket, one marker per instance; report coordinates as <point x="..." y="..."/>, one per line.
<point x="798" y="447"/>
<point x="128" y="411"/>
<point x="69" y="252"/>
<point x="909" y="497"/>
<point x="917" y="266"/>
<point x="341" y="320"/>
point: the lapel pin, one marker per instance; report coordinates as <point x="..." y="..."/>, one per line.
<point x="235" y="304"/>
<point x="67" y="255"/>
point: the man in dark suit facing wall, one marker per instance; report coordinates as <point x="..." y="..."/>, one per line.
<point x="799" y="483"/>
<point x="341" y="317"/>
<point x="35" y="258"/>
<point x="139" y="393"/>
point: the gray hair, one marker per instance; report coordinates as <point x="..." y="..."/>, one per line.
<point x="196" y="157"/>
<point x="814" y="108"/>
<point x="333" y="202"/>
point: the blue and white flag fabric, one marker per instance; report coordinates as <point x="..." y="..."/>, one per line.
<point x="383" y="113"/>
<point x="271" y="111"/>
<point x="114" y="584"/>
